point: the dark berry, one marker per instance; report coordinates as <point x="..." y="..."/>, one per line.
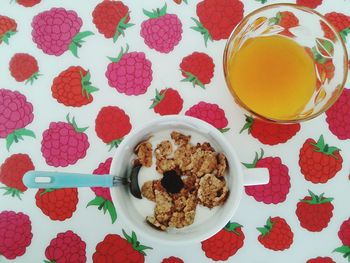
<point x="172" y="182"/>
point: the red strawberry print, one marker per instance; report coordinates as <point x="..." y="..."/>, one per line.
<point x="66" y="247"/>
<point x="217" y="18"/>
<point x="314" y="212"/>
<point x="340" y="21"/>
<point x="116" y="249"/>
<point x="15" y="114"/>
<point x="321" y="260"/>
<point x="286" y="20"/>
<point x="72" y="87"/>
<point x="276" y="234"/>
<point x="111" y="19"/>
<point x="15" y="234"/>
<point x="8" y="27"/>
<point x="338" y="116"/>
<point x="12" y="172"/>
<point x="321" y="56"/>
<point x="130" y="72"/>
<point x="180" y="1"/>
<point x="24" y="67"/>
<point x="277" y="189"/>
<point x="323" y="47"/>
<point x="64" y="143"/>
<point x="326" y="69"/>
<point x="172" y="260"/>
<point x="225" y="243"/>
<point x="328" y="31"/>
<point x="161" y="31"/>
<point x="28" y="3"/>
<point x="197" y="68"/>
<point x="112" y="124"/>
<point x="344" y="235"/>
<point x="57" y="30"/>
<point x="319" y="162"/>
<point x="268" y="132"/>
<point x="310" y="3"/>
<point x="57" y="204"/>
<point x="211" y="113"/>
<point x="103" y="198"/>
<point x="166" y="102"/>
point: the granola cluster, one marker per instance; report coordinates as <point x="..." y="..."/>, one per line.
<point x="192" y="175"/>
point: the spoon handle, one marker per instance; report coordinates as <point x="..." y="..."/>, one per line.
<point x="42" y="179"/>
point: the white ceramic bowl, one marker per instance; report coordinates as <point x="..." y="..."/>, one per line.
<point x="196" y="232"/>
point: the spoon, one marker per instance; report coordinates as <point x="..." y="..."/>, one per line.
<point x="43" y="179"/>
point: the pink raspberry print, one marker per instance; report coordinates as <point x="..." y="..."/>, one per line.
<point x="15" y="234"/>
<point x="130" y="73"/>
<point x="64" y="143"/>
<point x="277" y="189"/>
<point x="211" y="113"/>
<point x="103" y="168"/>
<point x="103" y="198"/>
<point x="66" y="247"/>
<point x="57" y="30"/>
<point x="15" y="114"/>
<point x="161" y="31"/>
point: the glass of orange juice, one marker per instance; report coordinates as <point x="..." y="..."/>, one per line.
<point x="285" y="63"/>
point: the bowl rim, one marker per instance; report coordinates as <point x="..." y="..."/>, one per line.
<point x="306" y="9"/>
<point x="230" y="208"/>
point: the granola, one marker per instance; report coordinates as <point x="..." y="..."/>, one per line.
<point x="212" y="191"/>
<point x="163" y="149"/>
<point x="144" y="153"/>
<point x="180" y="138"/>
<point x="147" y="191"/>
<point x="191" y="175"/>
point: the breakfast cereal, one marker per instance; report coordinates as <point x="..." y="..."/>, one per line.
<point x="192" y="175"/>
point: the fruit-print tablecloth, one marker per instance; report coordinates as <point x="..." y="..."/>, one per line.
<point x="77" y="76"/>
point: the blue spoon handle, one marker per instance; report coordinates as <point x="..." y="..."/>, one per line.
<point x="41" y="179"/>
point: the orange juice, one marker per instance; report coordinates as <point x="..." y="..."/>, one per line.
<point x="273" y="76"/>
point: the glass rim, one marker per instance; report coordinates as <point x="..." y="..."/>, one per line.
<point x="303" y="8"/>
